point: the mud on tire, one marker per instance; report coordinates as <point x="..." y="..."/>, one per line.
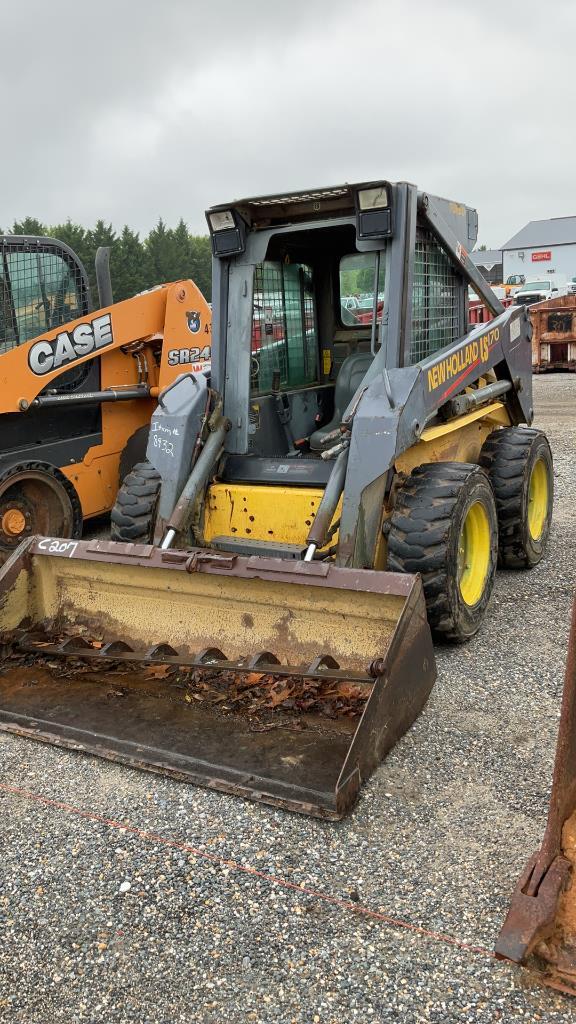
<point x="518" y="462"/>
<point x="431" y="520"/>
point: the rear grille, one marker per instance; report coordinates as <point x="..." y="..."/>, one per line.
<point x="435" y="299"/>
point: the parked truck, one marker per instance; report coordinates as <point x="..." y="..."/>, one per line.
<point x="540" y="290"/>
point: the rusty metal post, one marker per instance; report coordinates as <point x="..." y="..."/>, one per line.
<point x="533" y="922"/>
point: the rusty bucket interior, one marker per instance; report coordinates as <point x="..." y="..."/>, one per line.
<point x="285" y="682"/>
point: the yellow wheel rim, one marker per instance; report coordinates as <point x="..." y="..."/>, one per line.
<point x="474" y="553"/>
<point x="538" y="492"/>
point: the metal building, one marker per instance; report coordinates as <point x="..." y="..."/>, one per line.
<point x="489" y="263"/>
<point x="542" y="247"/>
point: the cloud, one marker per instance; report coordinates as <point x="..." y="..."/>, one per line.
<point x="133" y="110"/>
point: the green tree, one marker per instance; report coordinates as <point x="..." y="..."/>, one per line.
<point x="365" y="279"/>
<point x="74" y="236"/>
<point x="201" y="264"/>
<point x="348" y="282"/>
<point x="161" y="253"/>
<point x="129" y="271"/>
<point x="101" y="234"/>
<point x="166" y="254"/>
<point x="29" y="226"/>
<point x="181" y="251"/>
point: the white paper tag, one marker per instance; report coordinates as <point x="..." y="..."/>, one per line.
<point x="515" y="329"/>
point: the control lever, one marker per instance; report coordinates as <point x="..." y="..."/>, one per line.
<point x="284" y="411"/>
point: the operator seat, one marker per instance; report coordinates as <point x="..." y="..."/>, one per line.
<point x="350" y="376"/>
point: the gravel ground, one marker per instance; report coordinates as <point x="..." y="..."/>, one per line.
<point x="117" y="904"/>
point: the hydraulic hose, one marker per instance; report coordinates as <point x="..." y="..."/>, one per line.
<point x="180" y="518"/>
<point x="327" y="507"/>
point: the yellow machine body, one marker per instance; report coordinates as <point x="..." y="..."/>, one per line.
<point x="285" y="514"/>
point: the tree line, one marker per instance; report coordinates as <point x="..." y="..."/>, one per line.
<point x="165" y="254"/>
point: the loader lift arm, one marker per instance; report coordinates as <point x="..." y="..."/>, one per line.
<point x="157" y="318"/>
<point x="102" y="367"/>
<point x="394" y="410"/>
<point x="432" y="212"/>
<point x="398" y="404"/>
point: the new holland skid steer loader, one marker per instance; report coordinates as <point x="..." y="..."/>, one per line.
<point x="346" y="477"/>
<point x="78" y="386"/>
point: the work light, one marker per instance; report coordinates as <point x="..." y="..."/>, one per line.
<point x="227" y="232"/>
<point x="374" y="210"/>
<point x="221" y="220"/>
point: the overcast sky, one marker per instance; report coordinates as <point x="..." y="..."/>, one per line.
<point x="131" y="109"/>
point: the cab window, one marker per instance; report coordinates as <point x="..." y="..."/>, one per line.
<point x="38" y="291"/>
<point x="357" y="286"/>
<point x="284" y="334"/>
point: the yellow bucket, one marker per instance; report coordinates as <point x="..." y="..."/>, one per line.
<point x="278" y="680"/>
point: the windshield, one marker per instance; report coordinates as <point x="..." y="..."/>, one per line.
<point x="284" y="344"/>
<point x="542" y="286"/>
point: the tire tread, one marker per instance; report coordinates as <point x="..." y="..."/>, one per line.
<point x="504" y="456"/>
<point x="419" y="534"/>
<point x="133" y="515"/>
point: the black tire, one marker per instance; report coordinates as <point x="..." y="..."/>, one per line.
<point x="515" y="459"/>
<point x="36" y="498"/>
<point x="134" y="513"/>
<point x="134" y="451"/>
<point x="428" y="536"/>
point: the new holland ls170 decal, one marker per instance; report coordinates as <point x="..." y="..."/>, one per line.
<point x="457" y="366"/>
